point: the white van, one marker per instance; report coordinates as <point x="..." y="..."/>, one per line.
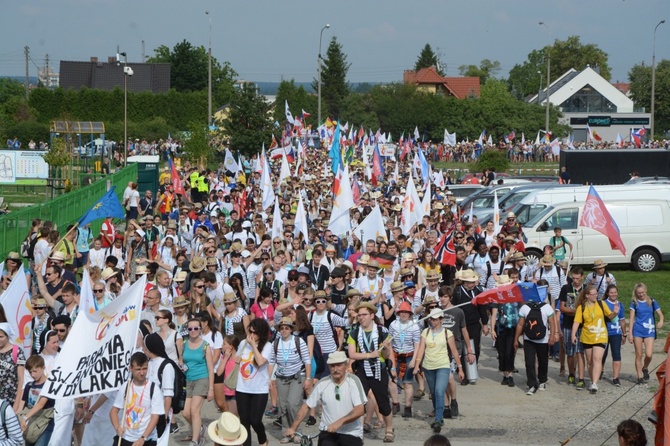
<point x="644" y="224"/>
<point x="536" y="202"/>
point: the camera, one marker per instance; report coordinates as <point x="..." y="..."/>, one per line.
<point x="128" y="71"/>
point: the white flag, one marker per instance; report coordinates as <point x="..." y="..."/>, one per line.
<point x="230" y="163"/>
<point x="425" y="203"/>
<point x="18" y="309"/>
<point x="523" y="139"/>
<point x="411" y="207"/>
<point x="277" y="223"/>
<point x="301" y="221"/>
<point x="340" y="222"/>
<point x="416" y="134"/>
<point x="289" y="116"/>
<point x="496" y="213"/>
<point x="96" y="356"/>
<point x="619" y="140"/>
<point x="489" y="141"/>
<point x="285" y="171"/>
<point x="372" y="227"/>
<point x="266" y="182"/>
<point x="537" y="139"/>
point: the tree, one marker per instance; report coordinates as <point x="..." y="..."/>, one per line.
<point x="334" y="88"/>
<point x="640" y="91"/>
<point x="189" y="70"/>
<point x="248" y="123"/>
<point x="196" y="147"/>
<point x="487" y="69"/>
<point x="565" y="54"/>
<point x="298" y="100"/>
<point x="427" y="58"/>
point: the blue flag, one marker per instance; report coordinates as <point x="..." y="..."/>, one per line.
<point x="107" y="206"/>
<point x="530" y="292"/>
<point x="335" y="152"/>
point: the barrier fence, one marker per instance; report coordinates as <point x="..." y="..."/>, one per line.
<point x="63" y="210"/>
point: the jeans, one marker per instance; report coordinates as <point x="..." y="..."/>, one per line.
<point x="437" y="380"/>
<point x="45" y="437"/>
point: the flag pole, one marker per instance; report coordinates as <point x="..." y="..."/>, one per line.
<point x="123" y="414"/>
<point x="75" y="226"/>
<point x="443" y="310"/>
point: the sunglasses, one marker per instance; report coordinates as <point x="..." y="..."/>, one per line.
<point x="199" y="286"/>
<point x="268" y="273"/>
<point x="265" y="258"/>
<point x="61" y="330"/>
<point x="277" y="243"/>
<point x="193" y="328"/>
<point x="159" y="317"/>
<point x="293" y="280"/>
<point x="337" y="393"/>
<point x="252" y="331"/>
<point x="320" y="301"/>
<point x="99" y="291"/>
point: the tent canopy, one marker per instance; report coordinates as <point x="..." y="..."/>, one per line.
<point x="81" y="127"/>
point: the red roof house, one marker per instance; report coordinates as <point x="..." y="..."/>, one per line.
<point x="428" y="79"/>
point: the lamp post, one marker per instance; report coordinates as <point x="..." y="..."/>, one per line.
<point x="653" y="81"/>
<point x="127" y="71"/>
<point x="546" y="114"/>
<point x="318" y="62"/>
<point x="209" y="74"/>
<point x="539" y="89"/>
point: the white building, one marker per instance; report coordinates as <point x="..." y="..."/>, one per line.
<point x="585" y="97"/>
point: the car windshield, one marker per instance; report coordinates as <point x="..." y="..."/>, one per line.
<point x="536" y="214"/>
<point x="483" y="202"/>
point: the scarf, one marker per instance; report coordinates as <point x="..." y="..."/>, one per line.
<point x="372" y="366"/>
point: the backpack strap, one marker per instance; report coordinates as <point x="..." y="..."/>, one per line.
<point x="15" y="353"/>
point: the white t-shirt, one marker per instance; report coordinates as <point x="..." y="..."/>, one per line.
<point x="139" y="407"/>
<point x="547" y="311"/>
<point x="351" y="394"/>
<point x="168" y="376"/>
<point x="251" y="378"/>
<point x="215" y="343"/>
<point x="134" y="199"/>
<point x="97" y="257"/>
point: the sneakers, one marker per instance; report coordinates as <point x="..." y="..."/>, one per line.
<point x="542" y="386"/>
<point x="272" y="411"/>
<point x="437" y="427"/>
<point x="571" y="379"/>
<point x="640" y="381"/>
<point x="454" y="408"/>
<point x="504" y="381"/>
<point x="446" y="413"/>
<point x="593" y="389"/>
<point x="510" y="381"/>
<point x="645" y="372"/>
<point x="532" y="391"/>
<point x="581" y="385"/>
<point x="396" y="408"/>
<point x="407" y="413"/>
<point x="616" y="382"/>
<point x="201" y="437"/>
<point x="174" y="428"/>
<point x="311" y="421"/>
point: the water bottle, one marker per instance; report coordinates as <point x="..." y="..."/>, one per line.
<point x="471" y="372"/>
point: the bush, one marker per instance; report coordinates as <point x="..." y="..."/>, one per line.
<point x="492" y="158"/>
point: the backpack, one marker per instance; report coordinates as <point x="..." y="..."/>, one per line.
<point x="25" y="247"/>
<point x="317" y="356"/>
<point x="558" y="272"/>
<point x="488" y="271"/>
<point x="534" y="327"/>
<point x="330" y="322"/>
<point x="179" y="398"/>
<point x="3" y="413"/>
<point x="380" y="334"/>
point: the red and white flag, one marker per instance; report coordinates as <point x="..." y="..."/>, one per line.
<point x="596" y="216"/>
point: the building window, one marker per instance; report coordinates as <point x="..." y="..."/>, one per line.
<point x="587" y="100"/>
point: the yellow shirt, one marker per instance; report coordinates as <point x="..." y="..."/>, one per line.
<point x="594" y="328"/>
<point x="436" y="354"/>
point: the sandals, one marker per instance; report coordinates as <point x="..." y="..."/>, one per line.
<point x="286" y="440"/>
<point x="379" y="425"/>
<point x="367" y="428"/>
<point x="389" y="437"/>
<point x="418" y="394"/>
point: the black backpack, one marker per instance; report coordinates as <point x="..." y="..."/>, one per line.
<point x="179" y="398"/>
<point x="317" y="355"/>
<point x="534" y="327"/>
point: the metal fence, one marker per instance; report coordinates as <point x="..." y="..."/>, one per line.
<point x="63" y="210"/>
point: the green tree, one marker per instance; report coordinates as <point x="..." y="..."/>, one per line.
<point x="196" y="147"/>
<point x="640" y="91"/>
<point x="249" y="120"/>
<point x="334" y="87"/>
<point x="10" y="88"/>
<point x="427" y="58"/>
<point x="189" y="70"/>
<point x="487" y="69"/>
<point x="298" y="100"/>
<point x="492" y="158"/>
<point x="565" y="54"/>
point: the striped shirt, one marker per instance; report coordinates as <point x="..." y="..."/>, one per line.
<point x="287" y="359"/>
<point x="228" y="321"/>
<point x="14" y="437"/>
<point x="405" y="336"/>
<point x="323" y="325"/>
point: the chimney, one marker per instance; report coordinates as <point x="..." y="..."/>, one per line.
<point x="94" y="59"/>
<point x="111" y="59"/>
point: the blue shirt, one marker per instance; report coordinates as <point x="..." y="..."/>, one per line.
<point x="644" y="325"/>
<point x="614" y="328"/>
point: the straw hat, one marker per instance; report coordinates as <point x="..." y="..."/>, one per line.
<point x="57" y="255"/>
<point x="469" y="276"/>
<point x="212" y="261"/>
<point x="436" y="313"/>
<point x="369" y="305"/>
<point x="321" y="294"/>
<point x="337" y="358"/>
<point x="227" y="430"/>
<point x="141" y="270"/>
<point x="353" y="293"/>
<point x="180" y="301"/>
<point x="503" y="280"/>
<point x="181" y="276"/>
<point x="439" y="206"/>
<point x="406" y="272"/>
<point x="364" y="259"/>
<point x="287" y="321"/>
<point x="39" y="302"/>
<point x="547" y="260"/>
<point x="14" y="256"/>
<point x="459" y="274"/>
<point x="197" y="264"/>
<point x="373" y="264"/>
<point x="429" y="300"/>
<point x="107" y="273"/>
<point x="434" y="276"/>
<point x="599" y="264"/>
<point x="518" y="256"/>
<point x="397" y="286"/>
<point x="230" y="297"/>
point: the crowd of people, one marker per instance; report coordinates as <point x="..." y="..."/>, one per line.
<point x="265" y="322"/>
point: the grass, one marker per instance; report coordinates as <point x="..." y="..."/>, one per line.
<point x="656" y="282"/>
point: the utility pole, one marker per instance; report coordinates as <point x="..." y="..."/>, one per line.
<point x="143" y="56"/>
<point x="209" y="74"/>
<point x="26" y="51"/>
<point x="46" y="60"/>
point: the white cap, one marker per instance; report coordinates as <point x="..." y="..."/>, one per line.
<point x="245" y="254"/>
<point x="246" y="224"/>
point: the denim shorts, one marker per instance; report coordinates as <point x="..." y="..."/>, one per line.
<point x="409" y="372"/>
<point x="570" y="348"/>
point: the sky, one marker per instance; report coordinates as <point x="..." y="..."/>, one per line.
<point x="271" y="40"/>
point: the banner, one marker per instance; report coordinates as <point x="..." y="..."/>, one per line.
<point x="96" y="355"/>
<point x="19" y="311"/>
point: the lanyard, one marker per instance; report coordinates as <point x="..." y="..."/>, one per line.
<point x="317" y="324"/>
<point x="368" y="342"/>
<point x="403" y="332"/>
<point x="285" y="351"/>
<point x="434" y="333"/>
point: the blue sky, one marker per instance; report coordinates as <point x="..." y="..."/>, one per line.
<point x="267" y="40"/>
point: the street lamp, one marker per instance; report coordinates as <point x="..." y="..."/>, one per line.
<point x="318" y="62"/>
<point x="540" y="89"/>
<point x="209" y="74"/>
<point x="653" y="81"/>
<point x="546" y="115"/>
<point x="127" y="71"/>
